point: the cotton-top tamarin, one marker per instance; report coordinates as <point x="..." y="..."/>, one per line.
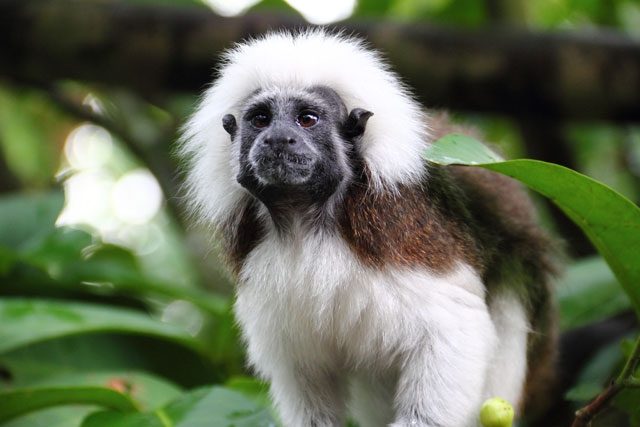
<point x="370" y="283"/>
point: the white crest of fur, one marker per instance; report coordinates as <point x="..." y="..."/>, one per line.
<point x="392" y="144"/>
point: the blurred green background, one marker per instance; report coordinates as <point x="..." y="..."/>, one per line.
<point x="104" y="286"/>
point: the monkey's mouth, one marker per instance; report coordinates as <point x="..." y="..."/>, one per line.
<point x="282" y="168"/>
<point x="291" y="158"/>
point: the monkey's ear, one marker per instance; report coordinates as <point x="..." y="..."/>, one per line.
<point x="356" y="122"/>
<point x="229" y="124"/>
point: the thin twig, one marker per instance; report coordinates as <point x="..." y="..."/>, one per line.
<point x="632" y="363"/>
<point x="587" y="413"/>
<point x="625" y="380"/>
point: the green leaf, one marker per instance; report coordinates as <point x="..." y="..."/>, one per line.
<point x="58" y="416"/>
<point x="611" y="221"/>
<point x="212" y="407"/>
<point x="460" y="150"/>
<point x="88" y="356"/>
<point x="588" y="292"/>
<point x="117" y="419"/>
<point x="70" y="257"/>
<point x="25" y="219"/>
<point x="147" y="390"/>
<point x="596" y="373"/>
<point x="17" y="402"/>
<point x="29" y="130"/>
<point x="119" y="268"/>
<point x="30" y="321"/>
<point x="7" y="259"/>
<point x="57" y="251"/>
<point x="583" y="391"/>
<point x="628" y="401"/>
<point x="251" y="387"/>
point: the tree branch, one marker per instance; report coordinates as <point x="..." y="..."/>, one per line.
<point x="624" y="380"/>
<point x="155" y="49"/>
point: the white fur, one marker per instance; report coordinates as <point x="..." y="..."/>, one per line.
<point x="392" y="145"/>
<point x="316" y="318"/>
<point x="508" y="366"/>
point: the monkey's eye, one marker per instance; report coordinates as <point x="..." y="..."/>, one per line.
<point x="260" y="120"/>
<point x="307" y="119"/>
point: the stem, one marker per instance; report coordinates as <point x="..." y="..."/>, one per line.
<point x="587" y="413"/>
<point x="624" y="380"/>
<point x="632" y="363"/>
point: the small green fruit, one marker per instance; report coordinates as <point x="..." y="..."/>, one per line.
<point x="496" y="412"/>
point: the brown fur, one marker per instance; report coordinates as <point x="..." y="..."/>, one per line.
<point x="419" y="225"/>
<point x="241" y="234"/>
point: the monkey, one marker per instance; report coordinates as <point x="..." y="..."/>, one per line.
<point x="372" y="284"/>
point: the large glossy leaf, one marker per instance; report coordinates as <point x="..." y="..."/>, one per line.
<point x="28" y="321"/>
<point x="14" y="403"/>
<point x="611" y="221"/>
<point x="213" y="407"/>
<point x="147" y="390"/>
<point x="87" y="357"/>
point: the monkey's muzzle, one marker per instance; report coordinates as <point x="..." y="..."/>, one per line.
<point x="282" y="161"/>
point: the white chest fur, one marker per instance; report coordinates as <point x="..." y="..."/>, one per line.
<point x="309" y="309"/>
<point x="310" y="298"/>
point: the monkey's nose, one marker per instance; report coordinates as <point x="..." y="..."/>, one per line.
<point x="280" y="142"/>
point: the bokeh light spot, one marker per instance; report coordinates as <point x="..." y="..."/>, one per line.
<point x="88" y="147"/>
<point x="136" y="197"/>
<point x="230" y="8"/>
<point x="323" y="12"/>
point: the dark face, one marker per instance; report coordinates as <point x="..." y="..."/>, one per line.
<point x="294" y="145"/>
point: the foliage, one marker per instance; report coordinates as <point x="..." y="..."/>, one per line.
<point x="84" y="337"/>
